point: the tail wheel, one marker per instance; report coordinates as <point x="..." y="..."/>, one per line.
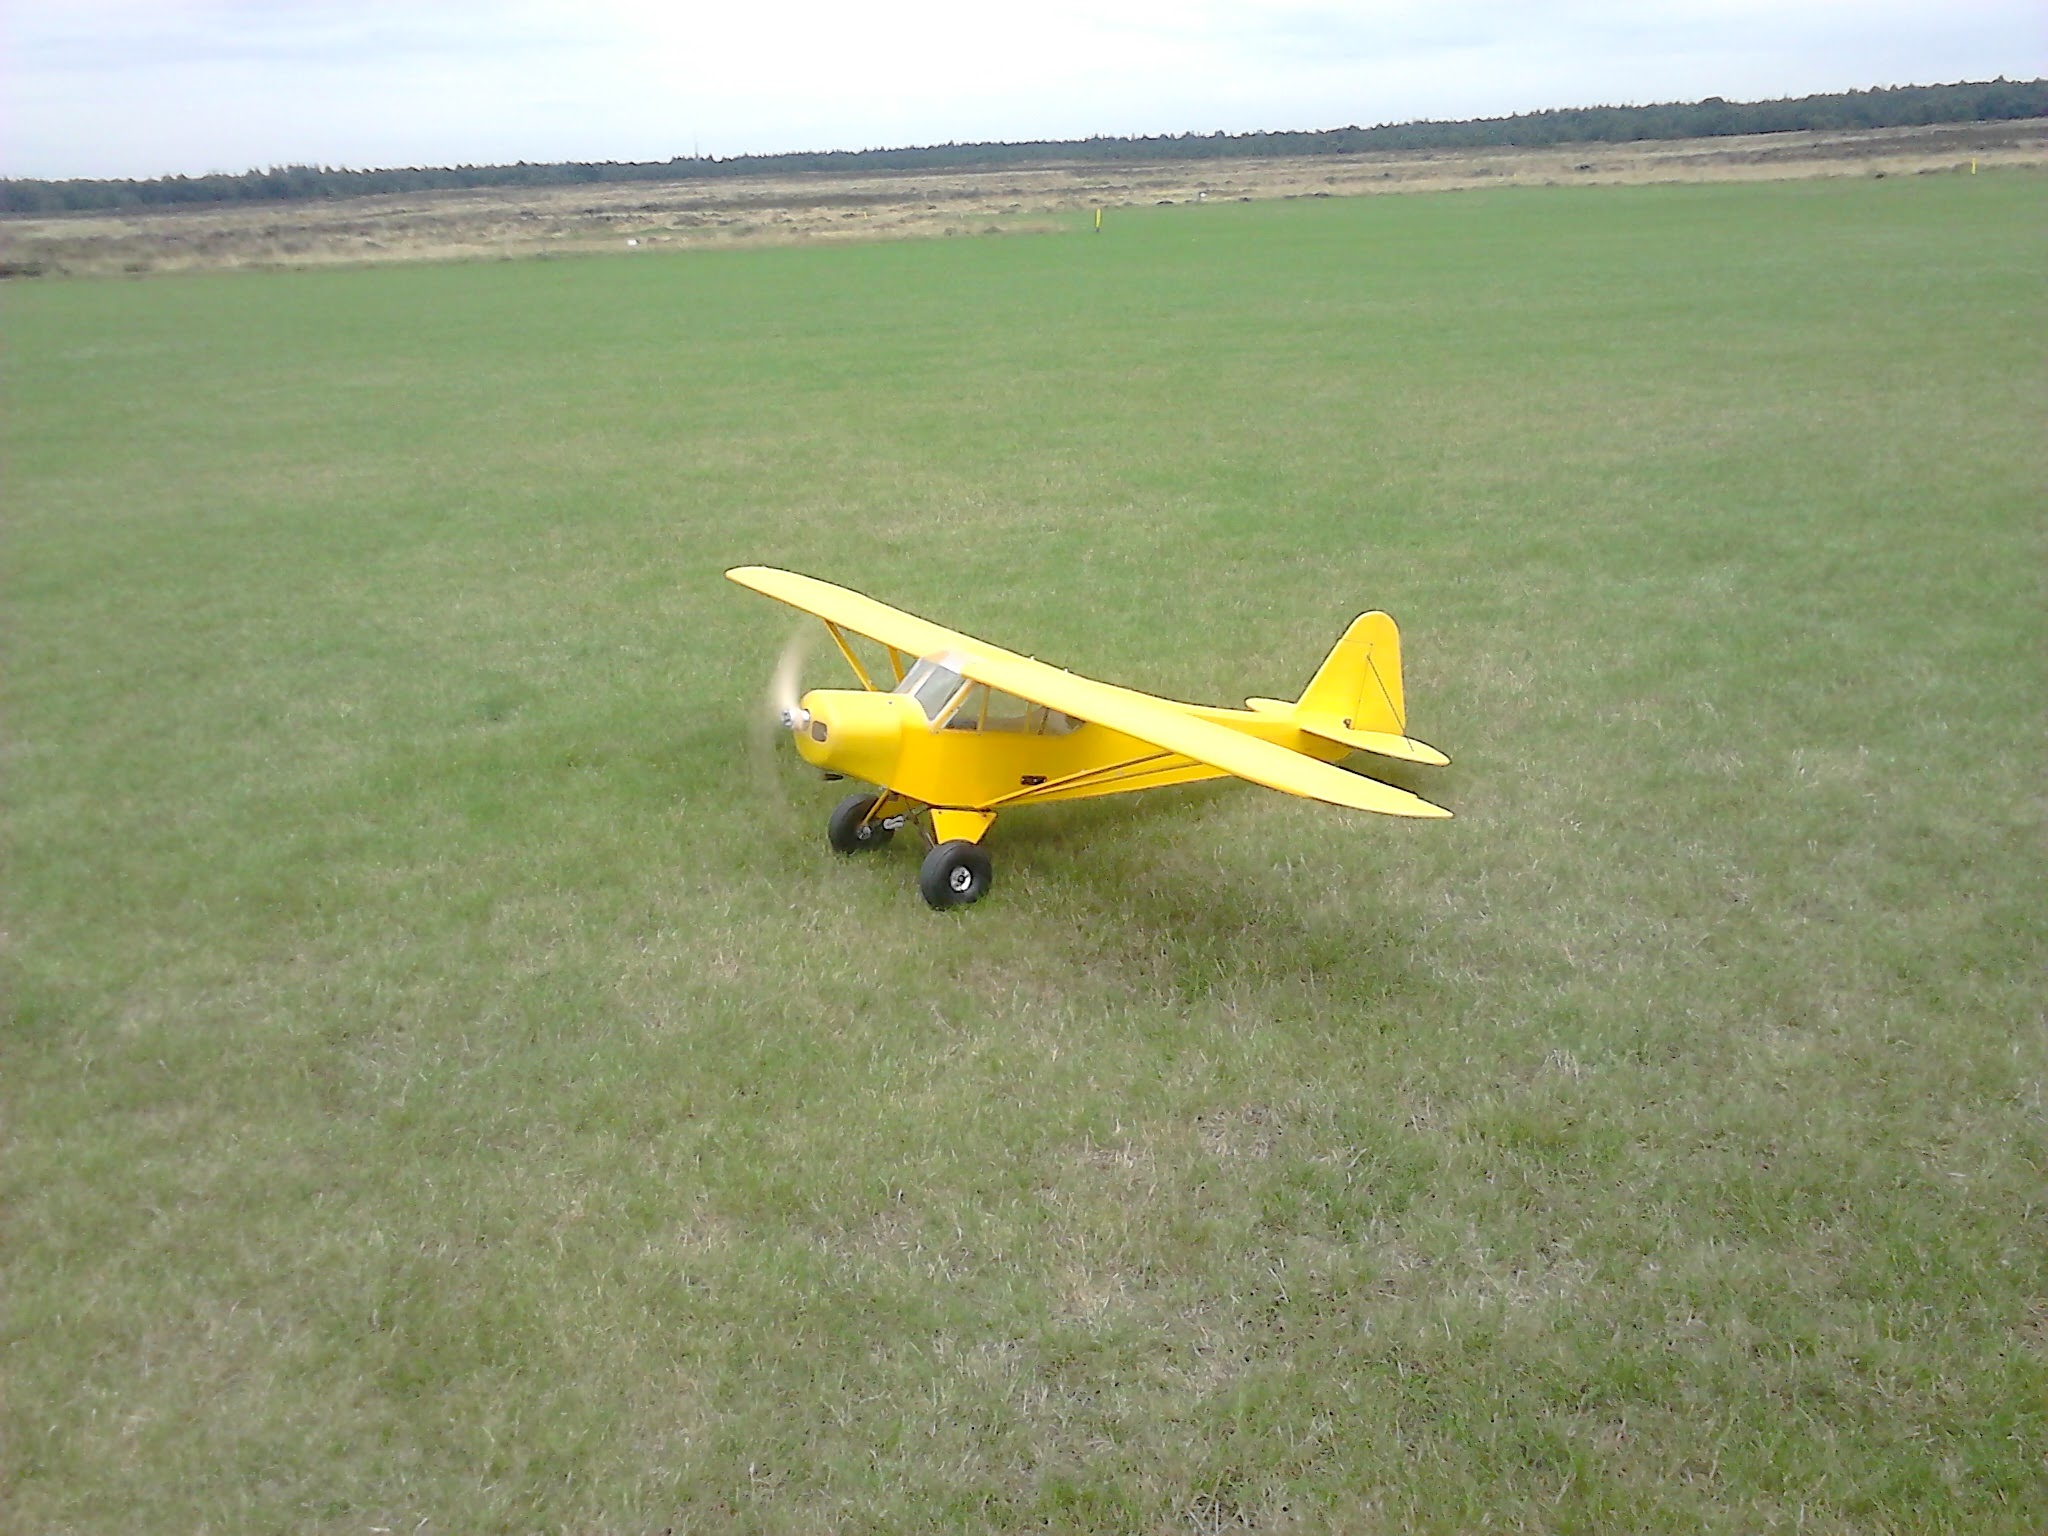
<point x="852" y="829"/>
<point x="954" y="874"/>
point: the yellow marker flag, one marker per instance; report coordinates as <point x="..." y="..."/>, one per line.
<point x="1098" y="212"/>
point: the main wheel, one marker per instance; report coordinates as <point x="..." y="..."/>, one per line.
<point x="850" y="830"/>
<point x="953" y="874"/>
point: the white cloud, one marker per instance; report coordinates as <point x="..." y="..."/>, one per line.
<point x="124" y="87"/>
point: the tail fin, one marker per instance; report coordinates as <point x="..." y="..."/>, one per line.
<point x="1355" y="698"/>
<point x="1358" y="686"/>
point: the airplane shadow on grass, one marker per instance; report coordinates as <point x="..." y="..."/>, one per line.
<point x="1165" y="889"/>
<point x="1144" y="889"/>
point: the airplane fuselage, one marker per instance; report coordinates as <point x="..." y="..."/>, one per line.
<point x="886" y="739"/>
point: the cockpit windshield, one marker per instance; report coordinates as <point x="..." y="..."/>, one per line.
<point x="932" y="683"/>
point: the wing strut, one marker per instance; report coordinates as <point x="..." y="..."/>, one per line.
<point x="852" y="660"/>
<point x="1107" y="772"/>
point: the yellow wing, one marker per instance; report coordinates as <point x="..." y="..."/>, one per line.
<point x="1158" y="721"/>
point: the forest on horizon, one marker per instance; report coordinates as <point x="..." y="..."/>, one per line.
<point x="1881" y="107"/>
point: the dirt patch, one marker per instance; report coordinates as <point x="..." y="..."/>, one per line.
<point x="525" y="222"/>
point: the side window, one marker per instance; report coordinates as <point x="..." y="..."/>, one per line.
<point x="983" y="709"/>
<point x="972" y="715"/>
<point x="1007" y="712"/>
<point x="1050" y="722"/>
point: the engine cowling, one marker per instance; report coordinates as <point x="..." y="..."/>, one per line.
<point x="855" y="733"/>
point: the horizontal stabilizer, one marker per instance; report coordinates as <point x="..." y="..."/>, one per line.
<point x="1406" y="748"/>
<point x="1382" y="743"/>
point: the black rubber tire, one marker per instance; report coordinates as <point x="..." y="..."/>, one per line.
<point x="954" y="874"/>
<point x="849" y="830"/>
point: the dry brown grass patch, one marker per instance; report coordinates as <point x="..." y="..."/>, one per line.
<point x="824" y="207"/>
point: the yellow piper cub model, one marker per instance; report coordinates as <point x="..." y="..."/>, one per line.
<point x="968" y="730"/>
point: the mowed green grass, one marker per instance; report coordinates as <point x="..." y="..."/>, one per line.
<point x="451" y="1086"/>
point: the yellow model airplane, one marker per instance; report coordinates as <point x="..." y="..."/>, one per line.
<point x="968" y="730"/>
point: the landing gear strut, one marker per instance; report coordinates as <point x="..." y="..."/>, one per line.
<point x="854" y="828"/>
<point x="955" y="872"/>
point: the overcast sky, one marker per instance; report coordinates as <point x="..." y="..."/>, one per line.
<point x="153" y="87"/>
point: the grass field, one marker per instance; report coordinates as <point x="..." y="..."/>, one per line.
<point x="449" y="1090"/>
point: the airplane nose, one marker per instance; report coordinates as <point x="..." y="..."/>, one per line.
<point x="856" y="734"/>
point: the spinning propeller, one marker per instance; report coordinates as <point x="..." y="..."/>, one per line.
<point x="779" y="713"/>
<point x="785" y="687"/>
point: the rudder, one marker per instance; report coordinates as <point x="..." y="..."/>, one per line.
<point x="1358" y="686"/>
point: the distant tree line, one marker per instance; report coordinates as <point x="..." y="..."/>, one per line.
<point x="1889" y="107"/>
